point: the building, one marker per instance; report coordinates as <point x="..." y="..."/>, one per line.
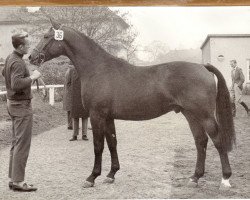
<point x="8" y="24"/>
<point x="219" y="49"/>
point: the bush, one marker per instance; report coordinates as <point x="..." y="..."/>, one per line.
<point x="58" y="95"/>
<point x="53" y="72"/>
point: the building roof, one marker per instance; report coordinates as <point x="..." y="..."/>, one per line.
<point x="223" y="36"/>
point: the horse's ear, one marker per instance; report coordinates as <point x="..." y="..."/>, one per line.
<point x="55" y="24"/>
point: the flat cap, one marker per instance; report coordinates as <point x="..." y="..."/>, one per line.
<point x="18" y="38"/>
<point x="19" y="35"/>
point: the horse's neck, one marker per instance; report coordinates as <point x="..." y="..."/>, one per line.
<point x="87" y="67"/>
<point x="86" y="58"/>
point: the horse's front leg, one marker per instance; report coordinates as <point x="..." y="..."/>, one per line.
<point x="98" y="127"/>
<point x="110" y="135"/>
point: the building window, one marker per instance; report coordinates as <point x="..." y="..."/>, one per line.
<point x="248" y="70"/>
<point x="220" y="58"/>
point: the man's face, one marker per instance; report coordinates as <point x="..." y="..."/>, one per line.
<point x="233" y="64"/>
<point x="24" y="48"/>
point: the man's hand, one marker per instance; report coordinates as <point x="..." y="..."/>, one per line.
<point x="35" y="75"/>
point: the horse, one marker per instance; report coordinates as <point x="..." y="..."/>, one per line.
<point x="114" y="89"/>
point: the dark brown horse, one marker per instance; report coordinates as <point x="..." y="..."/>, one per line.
<point x="114" y="89"/>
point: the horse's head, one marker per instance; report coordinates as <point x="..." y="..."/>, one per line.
<point x="50" y="46"/>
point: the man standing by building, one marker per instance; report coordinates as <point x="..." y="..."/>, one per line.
<point x="18" y="85"/>
<point x="237" y="86"/>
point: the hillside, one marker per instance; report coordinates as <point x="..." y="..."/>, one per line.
<point x="189" y="55"/>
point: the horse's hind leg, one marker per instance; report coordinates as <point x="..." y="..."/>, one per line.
<point x="110" y="135"/>
<point x="201" y="140"/>
<point x="211" y="128"/>
<point x="98" y="128"/>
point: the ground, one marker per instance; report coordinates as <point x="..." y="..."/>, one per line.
<point x="156" y="157"/>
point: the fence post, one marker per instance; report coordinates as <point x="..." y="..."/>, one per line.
<point x="51" y="96"/>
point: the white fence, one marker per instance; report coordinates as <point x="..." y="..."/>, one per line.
<point x="51" y="92"/>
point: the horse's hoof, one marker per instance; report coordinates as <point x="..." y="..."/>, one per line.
<point x="225" y="185"/>
<point x="192" y="183"/>
<point x="109" y="180"/>
<point x="88" y="184"/>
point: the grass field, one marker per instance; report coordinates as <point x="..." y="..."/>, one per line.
<point x="45" y="116"/>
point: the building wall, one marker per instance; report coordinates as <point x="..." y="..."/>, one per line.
<point x="206" y="53"/>
<point x="5" y="40"/>
<point x="231" y="48"/>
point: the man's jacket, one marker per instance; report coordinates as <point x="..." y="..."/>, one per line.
<point x="17" y="78"/>
<point x="238" y="77"/>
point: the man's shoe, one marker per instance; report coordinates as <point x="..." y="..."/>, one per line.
<point x="11" y="185"/>
<point x="24" y="188"/>
<point x="73" y="138"/>
<point x="70" y="127"/>
<point x="84" y="137"/>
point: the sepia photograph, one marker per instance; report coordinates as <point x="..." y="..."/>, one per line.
<point x="124" y="102"/>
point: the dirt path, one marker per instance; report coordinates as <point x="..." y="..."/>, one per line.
<point x="156" y="158"/>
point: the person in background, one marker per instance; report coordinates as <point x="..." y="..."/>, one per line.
<point x="67" y="97"/>
<point x="76" y="108"/>
<point x="237" y="87"/>
<point x="18" y="85"/>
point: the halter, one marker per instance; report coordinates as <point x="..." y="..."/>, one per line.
<point x="41" y="54"/>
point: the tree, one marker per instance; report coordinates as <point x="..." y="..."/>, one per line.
<point x="155" y="50"/>
<point x="108" y="28"/>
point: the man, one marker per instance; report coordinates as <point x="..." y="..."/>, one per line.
<point x="67" y="97"/>
<point x="72" y="99"/>
<point x="18" y="85"/>
<point x="237" y="86"/>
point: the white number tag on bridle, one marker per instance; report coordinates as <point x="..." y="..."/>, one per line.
<point x="58" y="34"/>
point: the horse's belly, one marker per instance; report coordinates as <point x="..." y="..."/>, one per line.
<point x="141" y="110"/>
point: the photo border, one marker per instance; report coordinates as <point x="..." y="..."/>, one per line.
<point x="125" y="2"/>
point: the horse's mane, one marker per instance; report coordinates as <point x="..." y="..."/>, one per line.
<point x="94" y="45"/>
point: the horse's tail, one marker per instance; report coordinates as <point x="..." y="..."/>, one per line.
<point x="223" y="111"/>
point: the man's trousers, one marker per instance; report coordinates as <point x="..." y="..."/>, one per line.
<point x="22" y="119"/>
<point x="76" y="126"/>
